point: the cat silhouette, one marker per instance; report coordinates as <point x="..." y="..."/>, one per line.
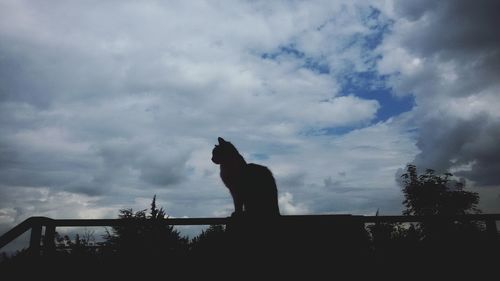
<point x="252" y="186"/>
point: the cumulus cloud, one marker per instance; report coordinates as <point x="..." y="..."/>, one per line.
<point x="287" y="206"/>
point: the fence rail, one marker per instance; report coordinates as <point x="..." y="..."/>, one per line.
<point x="37" y="224"/>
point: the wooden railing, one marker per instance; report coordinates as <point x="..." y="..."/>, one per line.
<point x="37" y="224"/>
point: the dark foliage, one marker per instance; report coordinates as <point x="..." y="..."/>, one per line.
<point x="260" y="249"/>
<point x="147" y="236"/>
<point x="437" y="243"/>
<point x="209" y="240"/>
<point x="430" y="194"/>
<point x="436" y="197"/>
<point x="145" y="244"/>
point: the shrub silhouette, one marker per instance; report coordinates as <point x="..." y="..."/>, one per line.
<point x="147" y="239"/>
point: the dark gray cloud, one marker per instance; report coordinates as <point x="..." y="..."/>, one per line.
<point x="449" y="59"/>
<point x="462" y="32"/>
<point x="470" y="143"/>
<point x="441" y="140"/>
<point x="163" y="169"/>
<point x="465" y="27"/>
<point x="37" y="167"/>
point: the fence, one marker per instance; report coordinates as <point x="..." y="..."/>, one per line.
<point x="37" y="224"/>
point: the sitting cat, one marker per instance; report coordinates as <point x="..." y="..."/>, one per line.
<point x="252" y="186"/>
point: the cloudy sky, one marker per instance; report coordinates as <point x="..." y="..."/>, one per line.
<point x="104" y="104"/>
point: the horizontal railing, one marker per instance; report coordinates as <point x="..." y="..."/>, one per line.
<point x="36" y="224"/>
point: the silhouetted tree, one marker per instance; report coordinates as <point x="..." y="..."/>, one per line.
<point x="431" y="194"/>
<point x="209" y="238"/>
<point x="446" y="242"/>
<point x="210" y="247"/>
<point x="147" y="237"/>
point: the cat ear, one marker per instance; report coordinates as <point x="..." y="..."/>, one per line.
<point x="221" y="140"/>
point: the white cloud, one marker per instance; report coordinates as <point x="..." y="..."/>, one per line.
<point x="288" y="207"/>
<point x="7" y="216"/>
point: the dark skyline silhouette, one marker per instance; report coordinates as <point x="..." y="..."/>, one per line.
<point x="286" y="246"/>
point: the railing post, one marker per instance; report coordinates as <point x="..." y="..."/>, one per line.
<point x="49" y="245"/>
<point x="491" y="228"/>
<point x="36" y="235"/>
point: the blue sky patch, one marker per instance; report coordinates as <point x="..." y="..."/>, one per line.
<point x="317" y="65"/>
<point x="289" y="50"/>
<point x="371" y="85"/>
<point x="379" y="25"/>
<point x="365" y="84"/>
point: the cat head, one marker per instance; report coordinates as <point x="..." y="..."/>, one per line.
<point x="223" y="152"/>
